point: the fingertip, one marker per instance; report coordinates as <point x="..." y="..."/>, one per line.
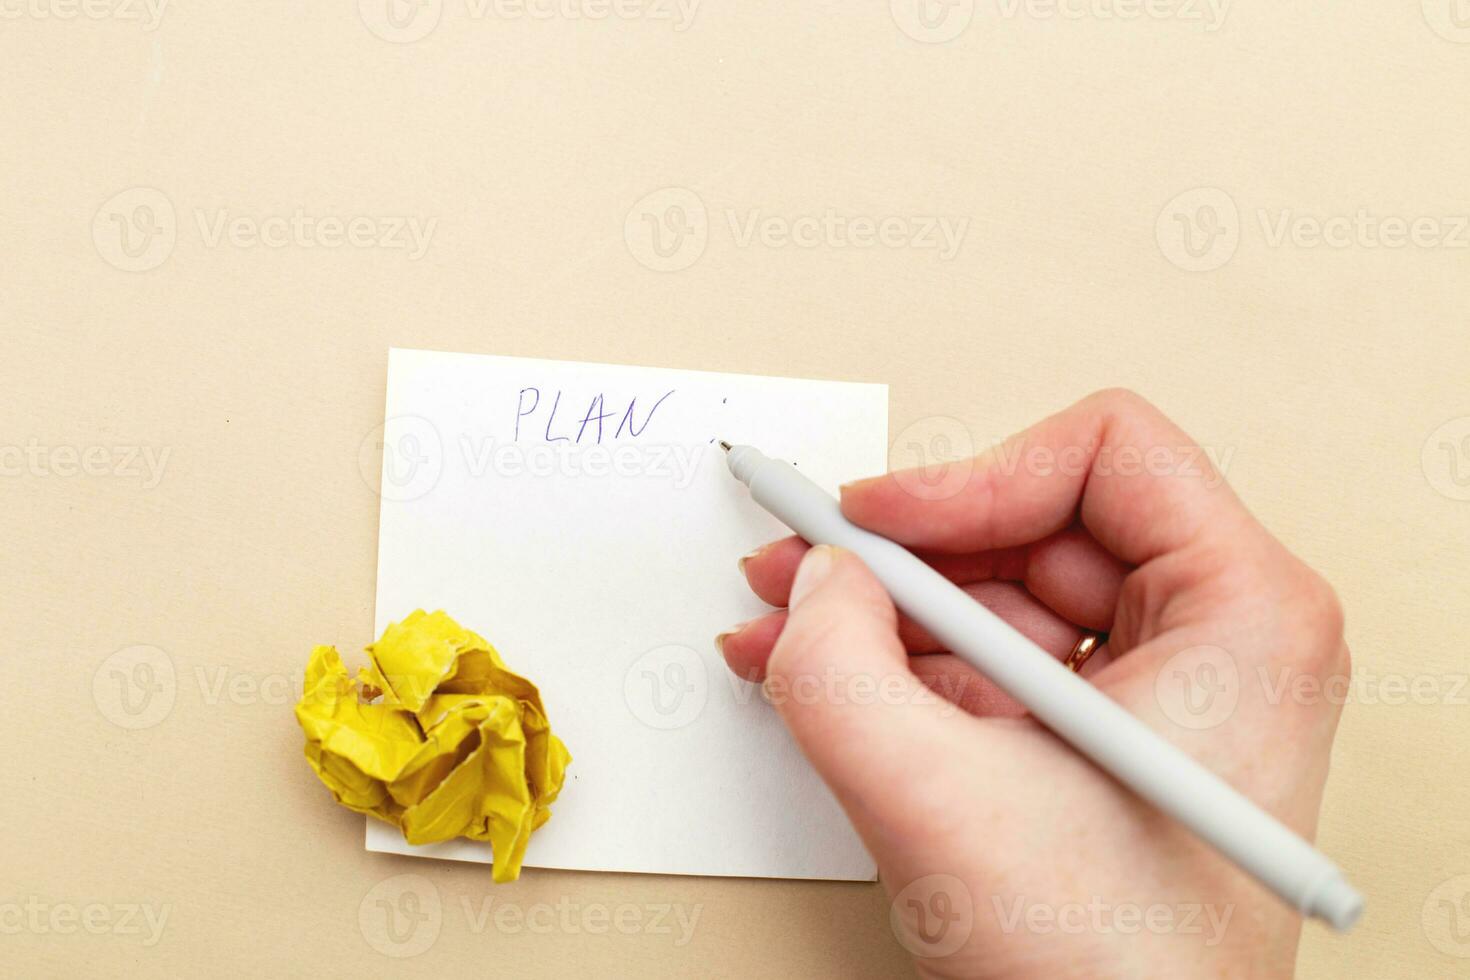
<point x="860" y="484"/>
<point x="746" y="558"/>
<point x="896" y="506"/>
<point x="857" y="495"/>
<point x="769" y="569"/>
<point x="746" y="648"/>
<point x="863" y="502"/>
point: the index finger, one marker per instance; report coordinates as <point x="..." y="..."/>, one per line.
<point x="1113" y="461"/>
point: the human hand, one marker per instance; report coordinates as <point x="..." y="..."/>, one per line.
<point x="1006" y="853"/>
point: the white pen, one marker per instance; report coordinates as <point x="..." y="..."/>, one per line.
<point x="1087" y="719"/>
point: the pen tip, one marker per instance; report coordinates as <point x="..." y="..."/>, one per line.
<point x="724" y="445"/>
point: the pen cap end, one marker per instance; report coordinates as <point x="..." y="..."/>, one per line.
<point x="1337" y="903"/>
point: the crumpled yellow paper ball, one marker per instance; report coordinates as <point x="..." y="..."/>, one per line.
<point x="436" y="736"/>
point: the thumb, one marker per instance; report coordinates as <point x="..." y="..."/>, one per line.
<point x="839" y="677"/>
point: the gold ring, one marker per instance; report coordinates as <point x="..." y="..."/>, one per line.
<point x="1083" y="651"/>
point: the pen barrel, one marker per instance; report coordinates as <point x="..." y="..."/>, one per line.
<point x="1074" y="709"/>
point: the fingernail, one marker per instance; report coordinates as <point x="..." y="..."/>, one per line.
<point x="813" y="570"/>
<point x="721" y="638"/>
<point x="748" y="557"/>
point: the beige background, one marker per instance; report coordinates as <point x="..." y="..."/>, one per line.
<point x="1325" y="372"/>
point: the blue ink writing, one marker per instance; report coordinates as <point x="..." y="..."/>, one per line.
<point x="633" y="428"/>
<point x="520" y="404"/>
<point x="594" y="421"/>
<point x="552" y="418"/>
<point x="594" y="413"/>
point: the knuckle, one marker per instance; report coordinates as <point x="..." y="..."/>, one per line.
<point x="1124" y="402"/>
<point x="1315" y="605"/>
<point x="1328" y="606"/>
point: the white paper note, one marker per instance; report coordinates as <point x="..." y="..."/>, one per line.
<point x="581" y="518"/>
